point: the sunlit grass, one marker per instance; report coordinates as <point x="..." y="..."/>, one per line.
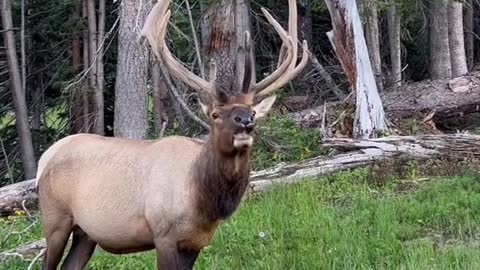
<point x="340" y="222"/>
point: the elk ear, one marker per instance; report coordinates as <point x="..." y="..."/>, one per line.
<point x="264" y="106"/>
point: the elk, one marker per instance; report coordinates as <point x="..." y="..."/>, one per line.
<point x="169" y="194"/>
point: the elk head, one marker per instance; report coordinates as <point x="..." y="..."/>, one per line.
<point x="232" y="118"/>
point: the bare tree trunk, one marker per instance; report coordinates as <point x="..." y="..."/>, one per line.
<point x="349" y="43"/>
<point x="372" y="36"/>
<point x="440" y="65"/>
<point x="86" y="61"/>
<point x="455" y="34"/>
<point x="22" y="46"/>
<point x="77" y="108"/>
<point x="21" y="114"/>
<point x="221" y="43"/>
<point x="242" y="24"/>
<point x="94" y="58"/>
<point x="99" y="127"/>
<point x="469" y="33"/>
<point x="395" y="43"/>
<point x="132" y="73"/>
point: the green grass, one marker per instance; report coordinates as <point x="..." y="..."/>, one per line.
<point x="339" y="222"/>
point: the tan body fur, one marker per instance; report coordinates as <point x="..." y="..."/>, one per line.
<point x="149" y="197"/>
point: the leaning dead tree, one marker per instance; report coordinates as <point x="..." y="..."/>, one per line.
<point x="354" y="154"/>
<point x="348" y="41"/>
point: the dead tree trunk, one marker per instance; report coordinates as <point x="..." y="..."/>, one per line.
<point x="85" y="86"/>
<point x="358" y="153"/>
<point x="99" y="127"/>
<point x="372" y="36"/>
<point x="19" y="102"/>
<point x="456" y="39"/>
<point x="440" y="65"/>
<point x="348" y="41"/>
<point x="448" y="99"/>
<point x="395" y="44"/>
<point x="92" y="53"/>
<point x="242" y="24"/>
<point x="220" y="44"/>
<point x="132" y="73"/>
<point x="469" y="33"/>
<point x="77" y="108"/>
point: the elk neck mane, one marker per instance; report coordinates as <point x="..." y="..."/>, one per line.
<point x="220" y="181"/>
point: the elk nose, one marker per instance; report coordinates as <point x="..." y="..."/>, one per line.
<point x="244" y="119"/>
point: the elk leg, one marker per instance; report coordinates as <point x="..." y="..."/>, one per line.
<point x="187" y="258"/>
<point x="167" y="255"/>
<point x="81" y="251"/>
<point x="57" y="232"/>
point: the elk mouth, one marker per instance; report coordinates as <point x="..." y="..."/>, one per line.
<point x="242" y="139"/>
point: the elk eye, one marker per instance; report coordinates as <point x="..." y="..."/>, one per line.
<point x="253" y="113"/>
<point x="215" y="115"/>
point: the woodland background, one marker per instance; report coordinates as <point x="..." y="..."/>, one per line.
<point x="82" y="67"/>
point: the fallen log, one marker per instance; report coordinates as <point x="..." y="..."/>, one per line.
<point x="358" y="153"/>
<point x="445" y="99"/>
<point x="19" y="196"/>
<point x="453" y="146"/>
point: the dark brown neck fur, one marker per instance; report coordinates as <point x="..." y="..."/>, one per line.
<point x="221" y="181"/>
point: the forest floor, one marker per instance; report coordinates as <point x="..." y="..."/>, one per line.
<point x="346" y="221"/>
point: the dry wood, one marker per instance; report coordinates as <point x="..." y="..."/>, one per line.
<point x="349" y="44"/>
<point x="12" y="196"/>
<point x="447" y="98"/>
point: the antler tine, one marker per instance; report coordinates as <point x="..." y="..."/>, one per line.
<point x="292" y="28"/>
<point x="154" y="30"/>
<point x="282" y="65"/>
<point x="287" y="68"/>
<point x="247" y="75"/>
<point x="287" y="76"/>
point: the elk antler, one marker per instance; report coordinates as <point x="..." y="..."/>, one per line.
<point x="286" y="69"/>
<point x="154" y="30"/>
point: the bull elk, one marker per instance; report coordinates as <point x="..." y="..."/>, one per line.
<point x="170" y="194"/>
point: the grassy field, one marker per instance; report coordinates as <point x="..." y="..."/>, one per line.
<point x="339" y="222"/>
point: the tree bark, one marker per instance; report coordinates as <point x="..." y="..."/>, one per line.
<point x="92" y="44"/>
<point x="358" y="153"/>
<point x="221" y="44"/>
<point x="19" y="102"/>
<point x="86" y="60"/>
<point x="448" y="98"/>
<point x="242" y="24"/>
<point x="131" y="117"/>
<point x="395" y="43"/>
<point x="77" y="108"/>
<point x="469" y="33"/>
<point x="456" y="39"/>
<point x="99" y="127"/>
<point x="372" y="37"/>
<point x="440" y="64"/>
<point x="348" y="41"/>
